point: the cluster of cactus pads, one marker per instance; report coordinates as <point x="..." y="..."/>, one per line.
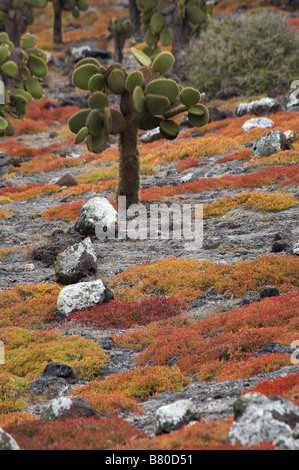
<point x="147" y="100"/>
<point x="197" y="12"/>
<point x="21" y="70"/>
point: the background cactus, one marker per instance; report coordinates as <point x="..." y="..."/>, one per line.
<point x="16" y="15"/>
<point x="75" y="6"/>
<point x="188" y="17"/>
<point x="147" y="100"/>
<point x="121" y="31"/>
<point x="21" y="72"/>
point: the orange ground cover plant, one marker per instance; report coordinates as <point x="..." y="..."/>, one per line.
<point x="21" y="305"/>
<point x="141" y="383"/>
<point x="28" y="352"/>
<point x="188" y="279"/>
<point x="84" y="188"/>
<point x="10" y="397"/>
<point x="112" y="402"/>
<point x="239" y="333"/>
<point x="4" y="213"/>
<point x="188" y="163"/>
<point x="276" y="201"/>
<point x="16" y="417"/>
<point x="285" y="386"/>
<point x="66" y="211"/>
<point x="284" y="157"/>
<point x="31" y="190"/>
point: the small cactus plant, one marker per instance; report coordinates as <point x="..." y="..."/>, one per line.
<point x="147" y="100"/>
<point x="121" y="31"/>
<point x="21" y="72"/>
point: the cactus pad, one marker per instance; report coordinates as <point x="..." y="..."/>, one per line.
<point x="163" y="87"/>
<point x="169" y="129"/>
<point x="163" y="62"/>
<point x="189" y="96"/>
<point x="83" y="74"/>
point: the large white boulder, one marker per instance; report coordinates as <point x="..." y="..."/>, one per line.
<point x="7" y="442"/>
<point x="81" y="295"/>
<point x="257" y="122"/>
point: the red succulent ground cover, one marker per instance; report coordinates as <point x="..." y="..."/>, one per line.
<point x="122" y="314"/>
<point x="257" y="179"/>
<point x="239" y="333"/>
<point x="74" y="434"/>
<point x="67" y="211"/>
<point x="285" y="386"/>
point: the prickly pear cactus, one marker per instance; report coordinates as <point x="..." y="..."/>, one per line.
<point x="21" y="72"/>
<point x="121" y="31"/>
<point x="147" y="100"/>
<point x="155" y="26"/>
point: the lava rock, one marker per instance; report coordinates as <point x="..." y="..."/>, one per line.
<point x="82" y="52"/>
<point x="67" y="180"/>
<point x="268" y="291"/>
<point x="55" y="369"/>
<point x="173" y="416"/>
<point x="273" y="347"/>
<point x="250" y="297"/>
<point x="49" y="387"/>
<point x="76" y="262"/>
<point x="270" y="143"/>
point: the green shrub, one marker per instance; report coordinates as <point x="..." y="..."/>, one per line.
<point x="247" y="54"/>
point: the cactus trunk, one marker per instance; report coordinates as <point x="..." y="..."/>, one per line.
<point x="57" y="27"/>
<point x="129" y="165"/>
<point x="15" y="27"/>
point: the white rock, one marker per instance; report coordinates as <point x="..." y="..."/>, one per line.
<point x="290" y="134"/>
<point x="257" y="122"/>
<point x="96" y="213"/>
<point x="7" y="442"/>
<point x="175" y="415"/>
<point x="187" y="177"/>
<point x="258" y="107"/>
<point x="261" y="418"/>
<point x="80" y="295"/>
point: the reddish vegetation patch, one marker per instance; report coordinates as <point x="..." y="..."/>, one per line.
<point x="118" y="314"/>
<point x="67" y="211"/>
<point x="285" y="386"/>
<point x="74" y="434"/>
<point x="257" y="179"/>
<point x="188" y="163"/>
<point x="221" y="347"/>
